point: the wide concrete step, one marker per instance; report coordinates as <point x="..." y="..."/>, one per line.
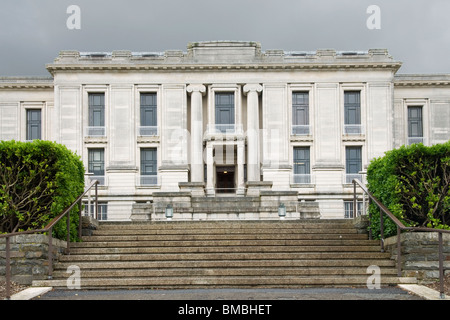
<point x="226" y="242"/>
<point x="222" y="231"/>
<point x="182" y="272"/>
<point x="223" y="249"/>
<point x="225" y="263"/>
<point x="223" y="256"/>
<point x="190" y="237"/>
<point x="232" y="224"/>
<point x="222" y="282"/>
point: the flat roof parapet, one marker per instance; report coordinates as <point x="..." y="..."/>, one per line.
<point x="223" y="43"/>
<point x="216" y="54"/>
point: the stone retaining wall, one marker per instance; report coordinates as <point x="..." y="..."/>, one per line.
<point x="29" y="257"/>
<point x="420" y="254"/>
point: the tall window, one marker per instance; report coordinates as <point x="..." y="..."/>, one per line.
<point x="300" y="113"/>
<point x="348" y="209"/>
<point x="102" y="213"/>
<point x="96" y="114"/>
<point x="149" y="169"/>
<point x="148" y="121"/>
<point x="34" y="126"/>
<point x="96" y="164"/>
<point x="224" y="111"/>
<point x="302" y="173"/>
<point x="415" y="125"/>
<point x="352" y="112"/>
<point x="353" y="163"/>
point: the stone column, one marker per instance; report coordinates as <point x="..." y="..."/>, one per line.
<point x="210" y="170"/>
<point x="240" y="168"/>
<point x="253" y="162"/>
<point x="196" y="159"/>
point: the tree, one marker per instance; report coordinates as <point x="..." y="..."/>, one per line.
<point x="37" y="181"/>
<point x="424" y="182"/>
<point x="413" y="182"/>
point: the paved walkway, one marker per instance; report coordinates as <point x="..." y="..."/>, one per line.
<point x="390" y="293"/>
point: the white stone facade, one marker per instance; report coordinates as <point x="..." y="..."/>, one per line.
<point x="221" y="116"/>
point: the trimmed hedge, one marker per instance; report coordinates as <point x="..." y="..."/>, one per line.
<point x="413" y="182"/>
<point x="38" y="180"/>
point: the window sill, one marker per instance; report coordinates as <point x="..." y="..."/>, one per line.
<point x="148" y="139"/>
<point x="93" y="139"/>
<point x="354" y="137"/>
<point x="308" y="138"/>
<point x="149" y="187"/>
<point x="301" y="185"/>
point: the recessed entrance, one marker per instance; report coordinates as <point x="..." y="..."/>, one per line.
<point x="225" y="182"/>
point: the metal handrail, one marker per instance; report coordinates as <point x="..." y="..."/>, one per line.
<point x="48" y="228"/>
<point x="401" y="227"/>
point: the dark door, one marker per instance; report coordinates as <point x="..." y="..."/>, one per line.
<point x="225" y="180"/>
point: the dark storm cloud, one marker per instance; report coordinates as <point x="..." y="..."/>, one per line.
<point x="32" y="32"/>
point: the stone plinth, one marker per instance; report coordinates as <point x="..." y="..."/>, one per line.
<point x="88" y="225"/>
<point x="308" y="210"/>
<point x="197" y="189"/>
<point x="254" y="188"/>
<point x="141" y="212"/>
<point x="187" y="205"/>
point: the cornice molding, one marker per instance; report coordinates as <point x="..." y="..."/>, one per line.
<point x="24" y="86"/>
<point x="421" y="83"/>
<point x="26" y="83"/>
<point x="91" y="67"/>
<point x="422" y="80"/>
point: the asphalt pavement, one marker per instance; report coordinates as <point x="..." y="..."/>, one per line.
<point x="388" y="293"/>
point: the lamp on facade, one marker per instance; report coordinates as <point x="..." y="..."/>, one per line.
<point x="282" y="211"/>
<point x="169" y="212"/>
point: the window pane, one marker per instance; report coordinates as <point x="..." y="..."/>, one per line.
<point x="301" y="160"/>
<point x="96" y="109"/>
<point x="353" y="160"/>
<point x="149" y="161"/>
<point x="300" y="108"/>
<point x="148" y="110"/>
<point x="96" y="163"/>
<point x="415" y="124"/>
<point x="352" y="107"/>
<point x="33" y="125"/>
<point x="225" y="108"/>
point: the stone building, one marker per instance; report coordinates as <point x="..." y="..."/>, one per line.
<point x="225" y="130"/>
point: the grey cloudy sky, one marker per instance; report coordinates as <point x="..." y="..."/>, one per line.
<point x="32" y="32"/>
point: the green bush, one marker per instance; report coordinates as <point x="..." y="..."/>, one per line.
<point x="413" y="182"/>
<point x="38" y="180"/>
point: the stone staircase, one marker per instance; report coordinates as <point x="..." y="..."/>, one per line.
<point x="225" y="254"/>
